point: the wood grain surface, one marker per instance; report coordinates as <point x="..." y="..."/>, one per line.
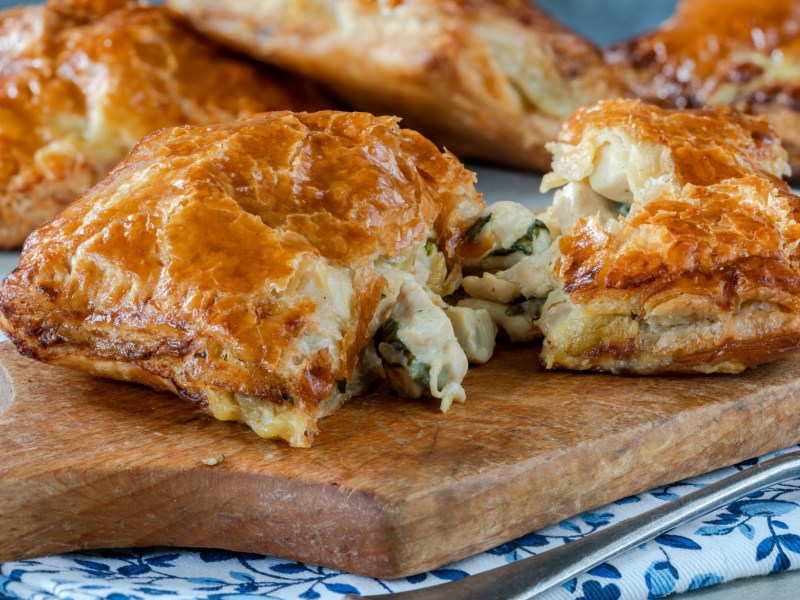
<point x="390" y="488"/>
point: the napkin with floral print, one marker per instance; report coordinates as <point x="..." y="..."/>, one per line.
<point x="755" y="535"/>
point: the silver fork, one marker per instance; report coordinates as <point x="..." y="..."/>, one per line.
<point x="529" y="577"/>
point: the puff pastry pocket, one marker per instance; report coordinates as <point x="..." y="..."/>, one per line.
<point x="488" y="79"/>
<point x="679" y="243"/>
<point x="83" y="80"/>
<point x="736" y="53"/>
<point x="265" y="269"/>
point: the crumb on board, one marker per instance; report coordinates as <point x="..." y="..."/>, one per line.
<point x="213" y="461"/>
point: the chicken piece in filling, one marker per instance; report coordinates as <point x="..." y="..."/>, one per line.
<point x="419" y="350"/>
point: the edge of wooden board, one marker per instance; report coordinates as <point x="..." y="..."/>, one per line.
<point x="442" y="489"/>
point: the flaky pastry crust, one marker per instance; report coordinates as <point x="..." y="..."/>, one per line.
<point x="701" y="147"/>
<point x="703" y="273"/>
<point x="81" y="81"/>
<point x="736" y="53"/>
<point x="488" y="79"/>
<point x="235" y="264"/>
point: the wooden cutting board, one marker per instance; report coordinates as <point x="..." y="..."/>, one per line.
<point x="390" y="488"/>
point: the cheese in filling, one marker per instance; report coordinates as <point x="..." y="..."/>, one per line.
<point x="578" y="200"/>
<point x="267" y="419"/>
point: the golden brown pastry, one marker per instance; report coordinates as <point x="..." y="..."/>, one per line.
<point x="680" y="242"/>
<point x="265" y="269"/>
<point x="81" y="81"/>
<point x="672" y="245"/>
<point x="736" y="53"/>
<point x="488" y="79"/>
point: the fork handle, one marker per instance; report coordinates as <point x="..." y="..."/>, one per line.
<point x="528" y="577"/>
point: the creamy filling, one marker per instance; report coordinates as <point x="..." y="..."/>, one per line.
<point x="511" y="232"/>
<point x="419" y="349"/>
<point x="576" y="201"/>
<point x="512" y="279"/>
<point x="516" y="320"/>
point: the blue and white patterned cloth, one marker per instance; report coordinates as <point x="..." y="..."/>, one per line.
<point x="754" y="535"/>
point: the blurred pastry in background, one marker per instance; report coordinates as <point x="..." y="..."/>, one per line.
<point x="81" y="81"/>
<point x="735" y="53"/>
<point x="487" y="79"/>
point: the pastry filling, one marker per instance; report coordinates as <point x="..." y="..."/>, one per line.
<point x="419" y="349"/>
<point x="414" y="345"/>
<point x="513" y="278"/>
